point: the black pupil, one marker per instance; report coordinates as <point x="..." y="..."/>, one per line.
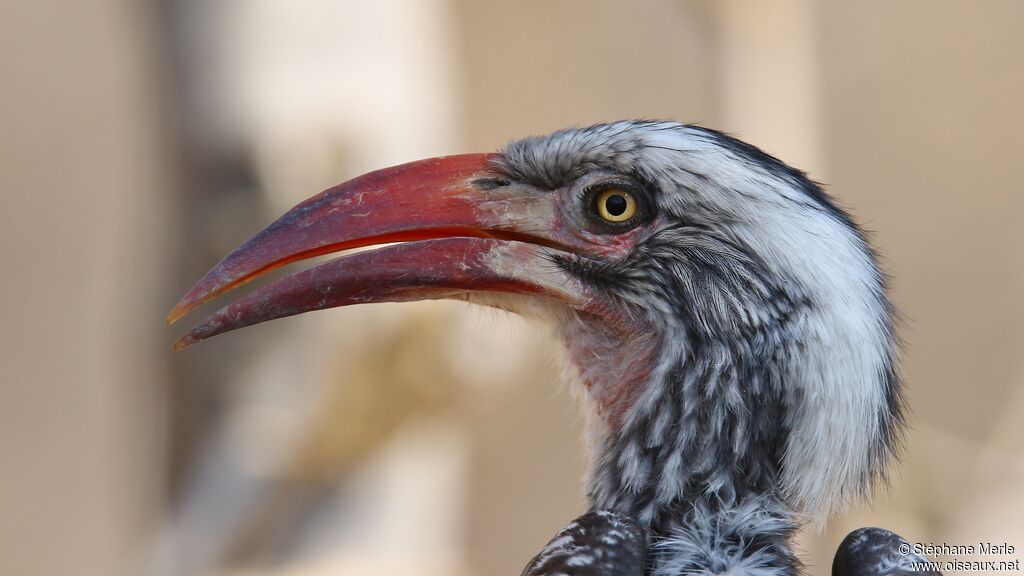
<point x="615" y="205"/>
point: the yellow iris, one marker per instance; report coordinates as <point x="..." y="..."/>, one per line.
<point x="616" y="205"/>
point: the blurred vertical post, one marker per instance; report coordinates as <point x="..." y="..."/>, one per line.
<point x="769" y="78"/>
<point x="83" y="180"/>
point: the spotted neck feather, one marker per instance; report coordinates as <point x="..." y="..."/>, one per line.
<point x="697" y="461"/>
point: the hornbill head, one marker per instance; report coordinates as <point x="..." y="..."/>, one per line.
<point x="727" y="321"/>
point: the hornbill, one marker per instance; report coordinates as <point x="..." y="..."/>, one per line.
<point x="728" y="324"/>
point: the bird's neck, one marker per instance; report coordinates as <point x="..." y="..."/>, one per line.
<point x="696" y="462"/>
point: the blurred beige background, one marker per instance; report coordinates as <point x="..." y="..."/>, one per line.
<point x="142" y="140"/>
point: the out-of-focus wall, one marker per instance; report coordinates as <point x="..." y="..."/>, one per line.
<point x="139" y="145"/>
<point x="85" y="180"/>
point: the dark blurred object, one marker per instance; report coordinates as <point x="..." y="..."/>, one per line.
<point x="607" y="543"/>
<point x="878" y="552"/>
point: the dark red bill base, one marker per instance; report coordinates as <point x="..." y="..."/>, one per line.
<point x="431" y="269"/>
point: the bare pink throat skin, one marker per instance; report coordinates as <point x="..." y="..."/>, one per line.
<point x="613" y="363"/>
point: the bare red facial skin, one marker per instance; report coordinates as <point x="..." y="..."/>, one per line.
<point x="612" y="350"/>
<point x="570" y="227"/>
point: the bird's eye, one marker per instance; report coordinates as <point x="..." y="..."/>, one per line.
<point x="615" y="205"/>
